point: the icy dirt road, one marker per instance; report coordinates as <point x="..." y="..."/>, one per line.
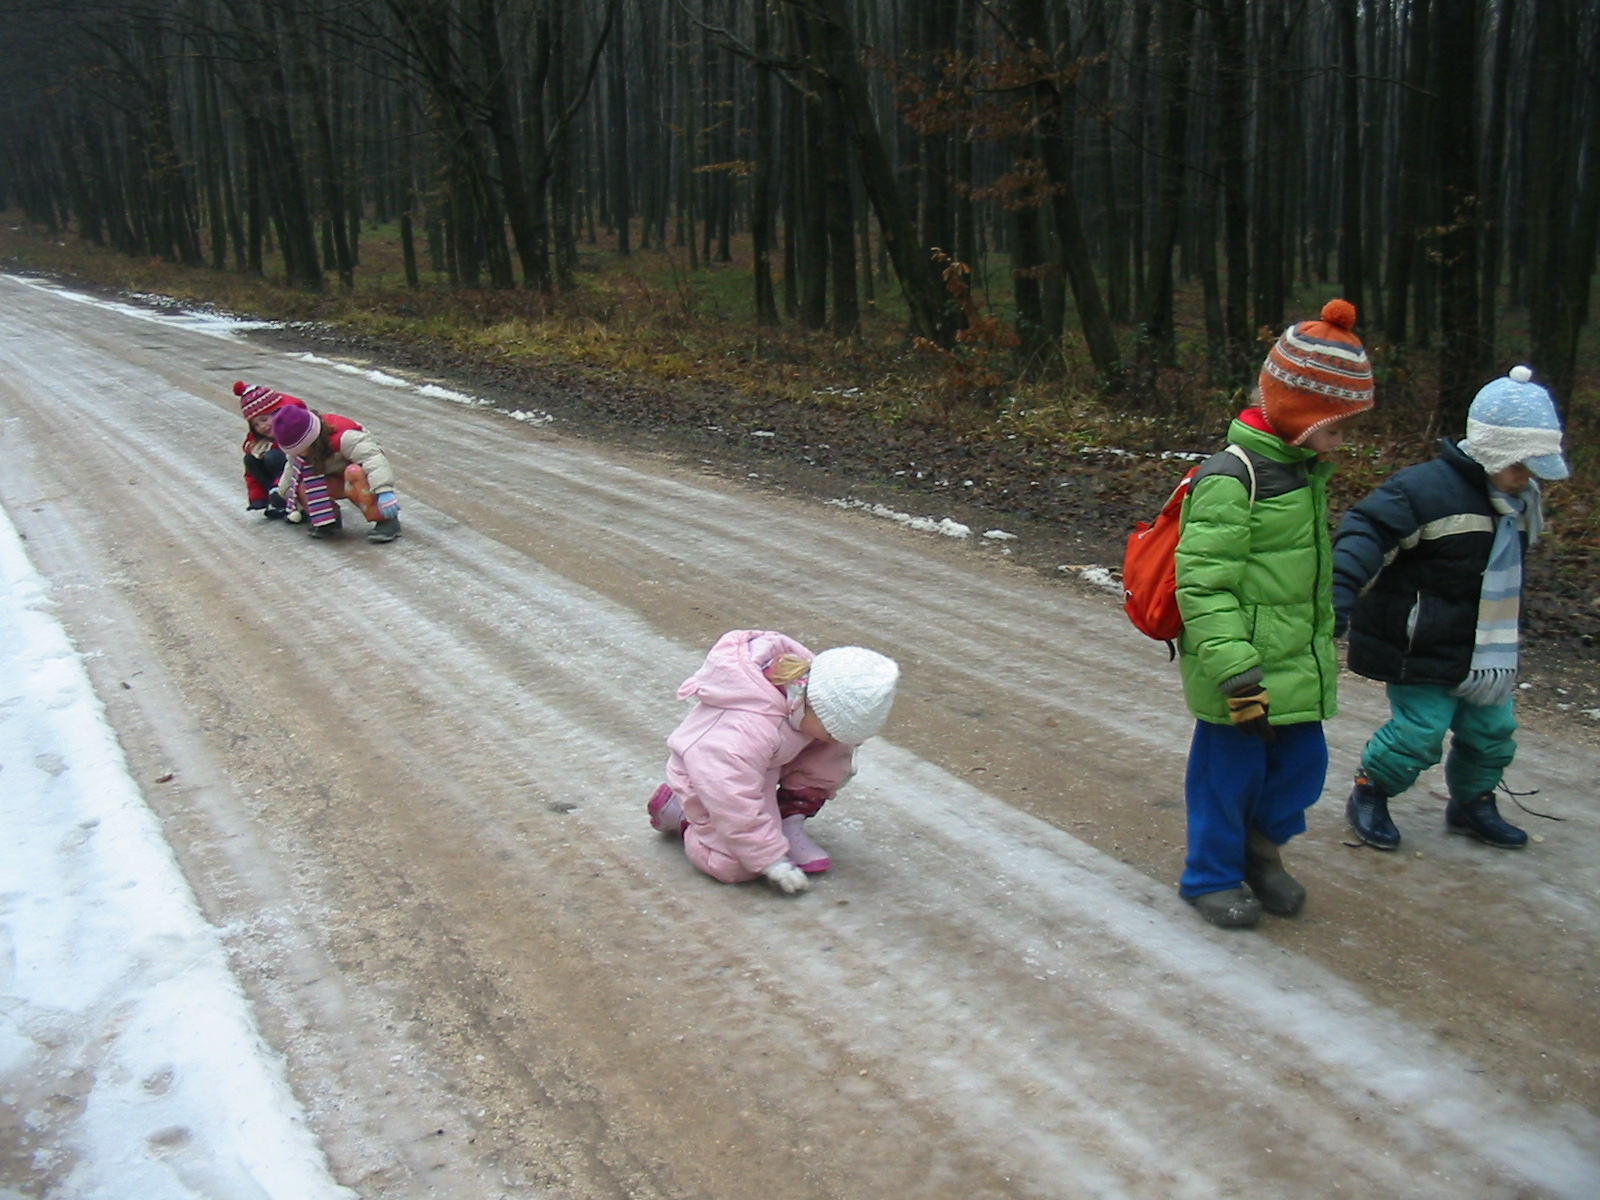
<point x="407" y="784"/>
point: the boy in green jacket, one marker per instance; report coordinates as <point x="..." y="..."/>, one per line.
<point x="1255" y="591"/>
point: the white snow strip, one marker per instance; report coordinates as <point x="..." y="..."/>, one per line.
<point x="945" y="525"/>
<point x="1100" y="577"/>
<point x="214" y="324"/>
<point x="382" y="378"/>
<point x="443" y="393"/>
<point x="127" y="1048"/>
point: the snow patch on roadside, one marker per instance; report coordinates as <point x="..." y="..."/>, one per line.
<point x="1100" y="577"/>
<point x="945" y="525"/>
<point x="431" y="390"/>
<point x="434" y="391"/>
<point x="381" y="378"/>
<point x="130" y="1064"/>
<point x="197" y="320"/>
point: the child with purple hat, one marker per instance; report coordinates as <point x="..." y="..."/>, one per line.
<point x="332" y="458"/>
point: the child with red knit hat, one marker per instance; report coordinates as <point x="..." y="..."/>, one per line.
<point x="332" y="458"/>
<point x="264" y="460"/>
<point x="1255" y="591"/>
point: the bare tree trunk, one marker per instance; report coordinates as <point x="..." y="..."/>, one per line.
<point x="1028" y="16"/>
<point x="840" y="218"/>
<point x="1561" y="219"/>
<point x="621" y="180"/>
<point x="1492" y="227"/>
<point x="1352" y="260"/>
<point x="1176" y="23"/>
<point x="501" y="120"/>
<point x="1409" y="157"/>
<point x="1271" y="158"/>
<point x="1463" y="360"/>
<point x="932" y="314"/>
<point x="761" y="185"/>
<point x="1232" y="103"/>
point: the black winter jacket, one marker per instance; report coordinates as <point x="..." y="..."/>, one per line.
<point x="1408" y="566"/>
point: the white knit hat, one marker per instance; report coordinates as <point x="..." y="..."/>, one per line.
<point x="851" y="691"/>
<point x="1513" y="420"/>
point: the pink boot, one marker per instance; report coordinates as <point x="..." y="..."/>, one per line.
<point x="805" y="854"/>
<point x="666" y="812"/>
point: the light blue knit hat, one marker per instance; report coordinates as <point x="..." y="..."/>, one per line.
<point x="1512" y="420"/>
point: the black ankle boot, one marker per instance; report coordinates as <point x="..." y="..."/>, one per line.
<point x="1480" y="818"/>
<point x="1367" y="810"/>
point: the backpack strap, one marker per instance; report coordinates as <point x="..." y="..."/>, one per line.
<point x="1233" y="461"/>
<point x="1243" y="456"/>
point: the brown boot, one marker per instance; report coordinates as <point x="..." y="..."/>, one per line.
<point x="1278" y="891"/>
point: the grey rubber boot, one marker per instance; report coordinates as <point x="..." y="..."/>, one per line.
<point x="1227" y="909"/>
<point x="1280" y="893"/>
<point x="385" y="530"/>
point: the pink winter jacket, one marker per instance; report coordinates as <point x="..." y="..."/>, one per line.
<point x="733" y="750"/>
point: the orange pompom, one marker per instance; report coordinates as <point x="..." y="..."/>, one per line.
<point x="1341" y="313"/>
<point x="238" y="387"/>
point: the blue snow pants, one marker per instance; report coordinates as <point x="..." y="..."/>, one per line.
<point x="1235" y="783"/>
<point x="1420" y="714"/>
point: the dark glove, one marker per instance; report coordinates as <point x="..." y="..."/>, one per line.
<point x="1341" y="624"/>
<point x="1248" y="708"/>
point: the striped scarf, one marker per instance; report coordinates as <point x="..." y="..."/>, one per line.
<point x="1493" y="672"/>
<point x="320" y="507"/>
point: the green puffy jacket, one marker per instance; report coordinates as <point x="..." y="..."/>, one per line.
<point x="1255" y="582"/>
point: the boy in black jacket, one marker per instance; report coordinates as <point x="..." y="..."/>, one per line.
<point x="1427" y="577"/>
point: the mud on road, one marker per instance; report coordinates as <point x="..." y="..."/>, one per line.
<point x="407" y="782"/>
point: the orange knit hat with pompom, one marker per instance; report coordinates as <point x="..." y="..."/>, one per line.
<point x="1317" y="373"/>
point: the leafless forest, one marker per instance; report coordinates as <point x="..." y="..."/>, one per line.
<point x="1435" y="161"/>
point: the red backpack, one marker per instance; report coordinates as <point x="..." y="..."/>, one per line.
<point x="1149" y="563"/>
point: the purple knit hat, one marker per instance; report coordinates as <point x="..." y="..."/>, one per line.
<point x="295" y="428"/>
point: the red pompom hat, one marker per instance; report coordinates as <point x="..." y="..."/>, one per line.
<point x="1317" y="373"/>
<point x="258" y="400"/>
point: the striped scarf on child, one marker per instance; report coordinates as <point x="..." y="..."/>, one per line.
<point x="320" y="506"/>
<point x="1493" y="672"/>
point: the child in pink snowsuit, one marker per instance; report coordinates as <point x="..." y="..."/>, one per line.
<point x="771" y="739"/>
